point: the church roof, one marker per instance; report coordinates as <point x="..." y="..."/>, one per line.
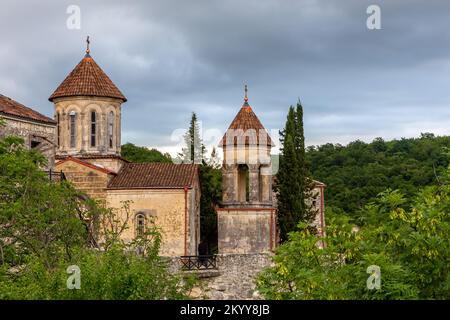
<point x="86" y="164"/>
<point x="87" y="79"/>
<point x="154" y="176"/>
<point x="247" y="125"/>
<point x="13" y="108"/>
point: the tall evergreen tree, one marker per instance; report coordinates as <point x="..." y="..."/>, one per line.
<point x="210" y="184"/>
<point x="293" y="184"/>
<point x="194" y="149"/>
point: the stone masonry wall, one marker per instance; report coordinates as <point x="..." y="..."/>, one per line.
<point x="86" y="179"/>
<point x="233" y="280"/>
<point x="44" y="134"/>
<point x="242" y="231"/>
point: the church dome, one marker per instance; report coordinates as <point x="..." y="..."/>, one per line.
<point x="87" y="79"/>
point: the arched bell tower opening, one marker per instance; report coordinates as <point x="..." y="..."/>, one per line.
<point x="243" y="183"/>
<point x="246" y="223"/>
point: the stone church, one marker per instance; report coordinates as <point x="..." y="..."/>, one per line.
<point x="84" y="142"/>
<point x="88" y="108"/>
<point x="37" y="130"/>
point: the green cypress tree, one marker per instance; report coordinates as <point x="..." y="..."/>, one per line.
<point x="293" y="184"/>
<point x="306" y="181"/>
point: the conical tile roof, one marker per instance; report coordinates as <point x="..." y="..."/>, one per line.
<point x="246" y="125"/>
<point x="87" y="79"/>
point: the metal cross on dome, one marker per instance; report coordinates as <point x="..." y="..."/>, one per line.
<point x="246" y="90"/>
<point x="87" y="45"/>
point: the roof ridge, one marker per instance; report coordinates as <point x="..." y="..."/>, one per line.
<point x="17" y="109"/>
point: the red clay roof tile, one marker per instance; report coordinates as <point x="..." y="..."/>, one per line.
<point x="87" y="79"/>
<point x="247" y="120"/>
<point x="13" y="108"/>
<point x="154" y="176"/>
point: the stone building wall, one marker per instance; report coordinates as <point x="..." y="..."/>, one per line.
<point x="249" y="230"/>
<point x="233" y="280"/>
<point x="167" y="208"/>
<point x="82" y="107"/>
<point x="91" y="181"/>
<point x="318" y="204"/>
<point x="33" y="132"/>
<point x="258" y="161"/>
<point x="113" y="164"/>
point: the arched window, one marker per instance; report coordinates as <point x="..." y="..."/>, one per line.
<point x="58" y="128"/>
<point x="110" y="129"/>
<point x="243" y="183"/>
<point x="93" y="128"/>
<point x="140" y="225"/>
<point x="72" y="128"/>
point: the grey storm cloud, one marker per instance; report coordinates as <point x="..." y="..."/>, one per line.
<point x="171" y="58"/>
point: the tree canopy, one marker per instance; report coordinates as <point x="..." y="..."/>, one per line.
<point x="47" y="226"/>
<point x="138" y="154"/>
<point x="410" y="248"/>
<point x="355" y="174"/>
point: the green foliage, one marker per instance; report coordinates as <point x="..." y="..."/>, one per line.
<point x="356" y="173"/>
<point x="142" y="154"/>
<point x="293" y="183"/>
<point x="36" y="216"/>
<point x="47" y="226"/>
<point x="114" y="274"/>
<point x="411" y="247"/>
<point x="211" y="195"/>
<point x="210" y="184"/>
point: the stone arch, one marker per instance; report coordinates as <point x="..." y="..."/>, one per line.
<point x="93" y="125"/>
<point x="243" y="183"/>
<point x="140" y="224"/>
<point x="111" y="128"/>
<point x="74" y="127"/>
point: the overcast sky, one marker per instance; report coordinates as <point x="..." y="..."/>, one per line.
<point x="170" y="58"/>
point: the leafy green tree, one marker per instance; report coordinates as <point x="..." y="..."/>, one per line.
<point x="293" y="183"/>
<point x="355" y="174"/>
<point x="410" y="246"/>
<point x="46" y="226"/>
<point x="211" y="196"/>
<point x="137" y="154"/>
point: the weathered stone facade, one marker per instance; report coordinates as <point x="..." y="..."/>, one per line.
<point x="37" y="135"/>
<point x="176" y="212"/>
<point x="246" y="230"/>
<point x="88" y="125"/>
<point x="234" y="278"/>
<point x="88" y="114"/>
<point x="89" y="179"/>
<point x="247" y="222"/>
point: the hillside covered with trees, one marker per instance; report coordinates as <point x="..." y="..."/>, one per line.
<point x="355" y="174"/>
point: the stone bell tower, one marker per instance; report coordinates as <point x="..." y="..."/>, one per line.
<point x="246" y="223"/>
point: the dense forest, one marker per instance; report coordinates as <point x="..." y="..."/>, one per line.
<point x="355" y="174"/>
